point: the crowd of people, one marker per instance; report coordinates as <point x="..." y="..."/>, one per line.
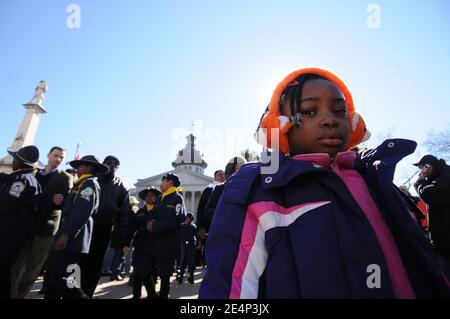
<point x="312" y="228"/>
<point x="54" y="222"/>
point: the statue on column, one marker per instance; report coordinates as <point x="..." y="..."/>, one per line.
<point x="39" y="93"/>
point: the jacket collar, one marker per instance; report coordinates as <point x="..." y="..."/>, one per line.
<point x="388" y="154"/>
<point x="342" y="160"/>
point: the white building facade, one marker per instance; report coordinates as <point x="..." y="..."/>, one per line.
<point x="189" y="166"/>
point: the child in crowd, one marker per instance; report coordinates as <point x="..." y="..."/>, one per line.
<point x="327" y="222"/>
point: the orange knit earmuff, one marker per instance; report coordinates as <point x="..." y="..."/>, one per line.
<point x="273" y="120"/>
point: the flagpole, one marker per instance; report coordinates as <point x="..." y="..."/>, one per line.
<point x="77" y="152"/>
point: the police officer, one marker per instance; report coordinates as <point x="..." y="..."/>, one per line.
<point x="74" y="235"/>
<point x="110" y="223"/>
<point x="18" y="197"/>
<point x="139" y="234"/>
<point x="163" y="244"/>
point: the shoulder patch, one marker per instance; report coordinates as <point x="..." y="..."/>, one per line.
<point x="87" y="193"/>
<point x="16" y="189"/>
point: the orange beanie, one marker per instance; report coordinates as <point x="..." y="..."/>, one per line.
<point x="274" y="120"/>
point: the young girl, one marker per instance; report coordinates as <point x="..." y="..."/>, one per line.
<point x="328" y="223"/>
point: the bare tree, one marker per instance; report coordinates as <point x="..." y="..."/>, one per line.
<point x="250" y="156"/>
<point x="438" y="143"/>
<point x="379" y="138"/>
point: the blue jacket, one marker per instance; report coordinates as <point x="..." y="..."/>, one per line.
<point x="19" y="193"/>
<point x="164" y="240"/>
<point x="325" y="254"/>
<point x="77" y="212"/>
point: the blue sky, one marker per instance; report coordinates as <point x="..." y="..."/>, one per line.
<point x="134" y="76"/>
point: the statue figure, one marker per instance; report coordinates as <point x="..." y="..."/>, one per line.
<point x="39" y="93"/>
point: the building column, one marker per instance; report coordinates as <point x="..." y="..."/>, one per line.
<point x="187" y="200"/>
<point x="193" y="202"/>
<point x="197" y="199"/>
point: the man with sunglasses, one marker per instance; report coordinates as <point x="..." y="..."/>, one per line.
<point x="110" y="224"/>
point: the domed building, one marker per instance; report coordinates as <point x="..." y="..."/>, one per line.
<point x="189" y="166"/>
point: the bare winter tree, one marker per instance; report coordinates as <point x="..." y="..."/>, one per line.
<point x="250" y="156"/>
<point x="438" y="143"/>
<point x="379" y="138"/>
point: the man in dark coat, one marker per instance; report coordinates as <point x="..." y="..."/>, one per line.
<point x="113" y="212"/>
<point x="163" y="244"/>
<point x="55" y="185"/>
<point x="202" y="221"/>
<point x="73" y="240"/>
<point x="232" y="167"/>
<point x="18" y="196"/>
<point x="433" y="187"/>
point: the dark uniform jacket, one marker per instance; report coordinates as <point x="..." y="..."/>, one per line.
<point x="211" y="205"/>
<point x="77" y="212"/>
<point x="164" y="240"/>
<point x="138" y="227"/>
<point x="18" y="195"/>
<point x="48" y="215"/>
<point x="188" y="235"/>
<point x="435" y="191"/>
<point x="202" y="205"/>
<point x="114" y="209"/>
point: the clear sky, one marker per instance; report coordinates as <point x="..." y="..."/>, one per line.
<point x="133" y="77"/>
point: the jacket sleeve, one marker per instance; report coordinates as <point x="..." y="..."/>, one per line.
<point x="123" y="217"/>
<point x="21" y="195"/>
<point x="222" y="249"/>
<point x="434" y="192"/>
<point x="82" y="209"/>
<point x="64" y="186"/>
<point x="171" y="219"/>
<point x="202" y="205"/>
<point x="224" y="237"/>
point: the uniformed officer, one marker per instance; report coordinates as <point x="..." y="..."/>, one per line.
<point x="63" y="275"/>
<point x="139" y="234"/>
<point x="163" y="244"/>
<point x="18" y="197"/>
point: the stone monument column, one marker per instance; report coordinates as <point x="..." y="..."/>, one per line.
<point x="27" y="131"/>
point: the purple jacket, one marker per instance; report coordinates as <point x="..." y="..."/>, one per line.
<point x="308" y="236"/>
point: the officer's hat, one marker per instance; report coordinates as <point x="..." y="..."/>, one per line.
<point x="99" y="168"/>
<point x="172" y="177"/>
<point x="29" y="155"/>
<point x="143" y="193"/>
